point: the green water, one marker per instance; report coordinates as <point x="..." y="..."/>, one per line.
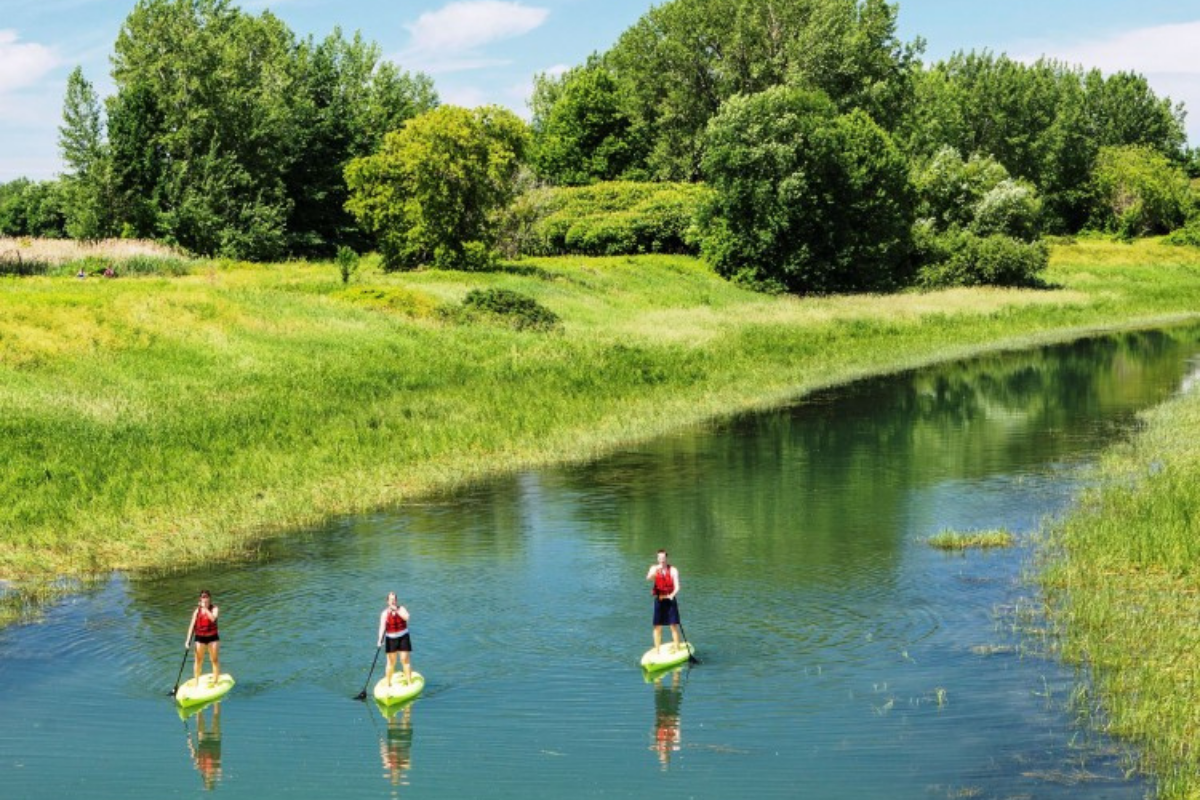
<point x="841" y="656"/>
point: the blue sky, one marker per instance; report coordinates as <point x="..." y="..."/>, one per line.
<point x="481" y="51"/>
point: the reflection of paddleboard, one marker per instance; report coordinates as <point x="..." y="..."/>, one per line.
<point x="399" y="691"/>
<point x="187" y="712"/>
<point x="667" y="655"/>
<point x="191" y="693"/>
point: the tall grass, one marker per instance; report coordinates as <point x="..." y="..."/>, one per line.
<point x="1124" y="580"/>
<point x="148" y="423"/>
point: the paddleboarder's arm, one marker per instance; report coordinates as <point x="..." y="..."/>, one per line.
<point x="650" y="572"/>
<point x="382" y="624"/>
<point x="675" y="578"/>
<point x="403" y="612"/>
<point x="187" y="640"/>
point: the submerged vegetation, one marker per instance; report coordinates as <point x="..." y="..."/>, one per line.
<point x="1124" y="586"/>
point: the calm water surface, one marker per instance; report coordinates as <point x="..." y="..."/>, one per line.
<point x="842" y="657"/>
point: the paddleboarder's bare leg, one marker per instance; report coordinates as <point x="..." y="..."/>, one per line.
<point x="675" y="635"/>
<point x="391" y="668"/>
<point x="404" y="659"/>
<point x="198" y="665"/>
<point x="214" y="658"/>
<point x="657" y="636"/>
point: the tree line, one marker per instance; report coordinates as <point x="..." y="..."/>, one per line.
<point x="834" y="158"/>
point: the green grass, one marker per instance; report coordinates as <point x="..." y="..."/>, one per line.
<point x="971" y="540"/>
<point x="1123" y="577"/>
<point x="156" y="422"/>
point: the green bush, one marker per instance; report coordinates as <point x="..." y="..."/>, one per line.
<point x="961" y="258"/>
<point x="1187" y="236"/>
<point x="512" y="308"/>
<point x="1138" y="192"/>
<point x="607" y="219"/>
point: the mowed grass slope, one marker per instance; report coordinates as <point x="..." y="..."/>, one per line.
<point x="155" y="422"/>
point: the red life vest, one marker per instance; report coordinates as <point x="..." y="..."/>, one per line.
<point x="205" y="626"/>
<point x="395" y="624"/>
<point x="664" y="584"/>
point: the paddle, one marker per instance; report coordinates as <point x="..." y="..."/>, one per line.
<point x="187" y="648"/>
<point x="363" y="694"/>
<point x="691" y="656"/>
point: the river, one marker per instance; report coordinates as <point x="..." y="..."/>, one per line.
<point x="841" y="656"/>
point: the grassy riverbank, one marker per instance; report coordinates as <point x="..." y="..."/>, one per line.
<point x="152" y="422"/>
<point x="1124" y="583"/>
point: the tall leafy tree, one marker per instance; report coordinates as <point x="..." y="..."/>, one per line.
<point x="431" y="193"/>
<point x="583" y="135"/>
<point x="806" y="200"/>
<point x="87" y="184"/>
<point x="349" y="99"/>
<point x="683" y="59"/>
<point x="207" y="91"/>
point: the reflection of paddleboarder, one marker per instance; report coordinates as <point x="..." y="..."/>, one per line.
<point x="206" y="751"/>
<point x="396" y="748"/>
<point x="667" y="727"/>
<point x="666" y="610"/>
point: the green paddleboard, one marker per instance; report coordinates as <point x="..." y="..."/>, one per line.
<point x="667" y="655"/>
<point x="193" y="693"/>
<point x="399" y="690"/>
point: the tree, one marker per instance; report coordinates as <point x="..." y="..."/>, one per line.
<point x="348" y="100"/>
<point x="87" y="186"/>
<point x="1044" y="122"/>
<point x="1139" y="192"/>
<point x="584" y="136"/>
<point x="217" y="89"/>
<point x="431" y="193"/>
<point x="806" y="200"/>
<point x="683" y="59"/>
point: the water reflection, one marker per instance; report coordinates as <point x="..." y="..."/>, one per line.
<point x="395" y="748"/>
<point x="205" y="748"/>
<point x="668" y="727"/>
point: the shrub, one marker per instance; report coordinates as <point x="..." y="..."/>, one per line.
<point x="615" y="218"/>
<point x="1187" y="236"/>
<point x="512" y="308"/>
<point x="961" y="258"/>
<point x="409" y="302"/>
<point x="1138" y="192"/>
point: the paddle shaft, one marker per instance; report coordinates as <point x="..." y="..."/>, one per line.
<point x="187" y="648"/>
<point x="691" y="655"/>
<point x="363" y="694"/>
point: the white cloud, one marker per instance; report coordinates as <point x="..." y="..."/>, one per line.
<point x="1158" y="49"/>
<point x="1167" y="55"/>
<point x="451" y="38"/>
<point x="22" y="64"/>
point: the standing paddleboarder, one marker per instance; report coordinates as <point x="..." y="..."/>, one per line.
<point x="204" y="625"/>
<point x="393" y="629"/>
<point x="666" y="586"/>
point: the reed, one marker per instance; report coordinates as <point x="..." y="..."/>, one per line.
<point x="971" y="540"/>
<point x="1123" y="576"/>
<point x="156" y="422"/>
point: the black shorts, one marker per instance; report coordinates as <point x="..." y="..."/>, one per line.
<point x="208" y="639"/>
<point x="666" y="612"/>
<point x="401" y="644"/>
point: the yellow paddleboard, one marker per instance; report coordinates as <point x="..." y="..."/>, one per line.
<point x="667" y="655"/>
<point x="399" y="690"/>
<point x="191" y="693"/>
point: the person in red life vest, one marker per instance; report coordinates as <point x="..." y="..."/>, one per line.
<point x="666" y="586"/>
<point x="393" y="630"/>
<point x="204" y="625"/>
